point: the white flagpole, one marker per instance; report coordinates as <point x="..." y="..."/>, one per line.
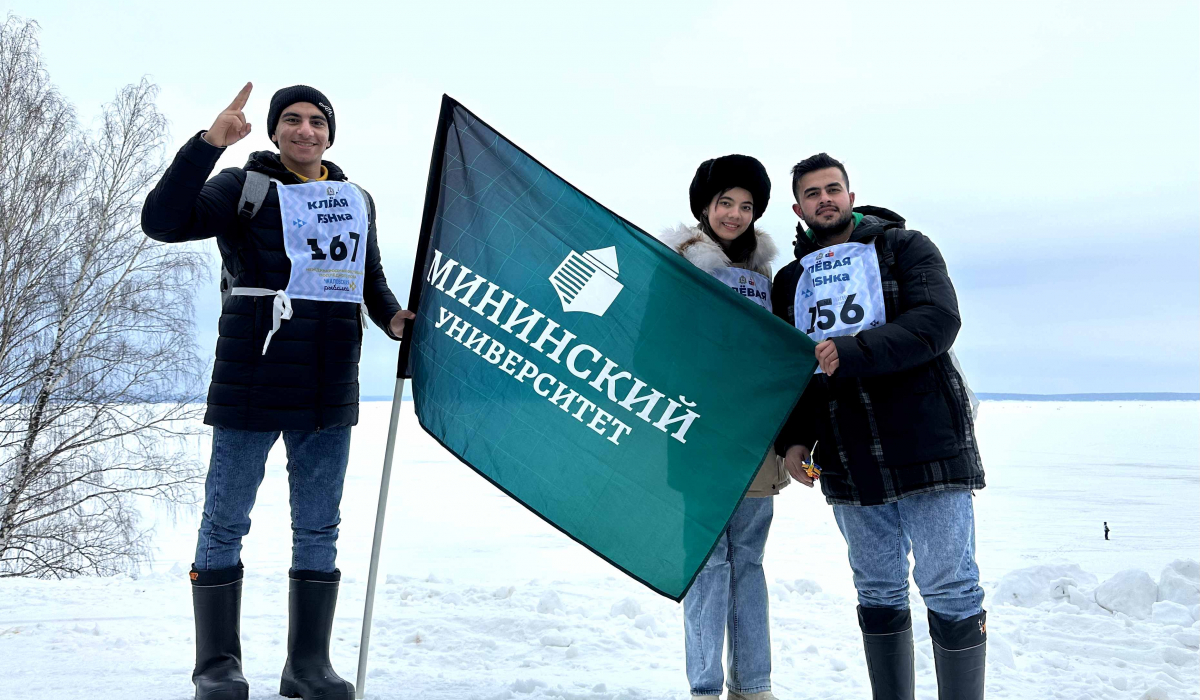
<point x="365" y="641"/>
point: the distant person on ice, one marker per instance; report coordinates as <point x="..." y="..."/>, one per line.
<point x="729" y="596"/>
<point x="893" y="422"/>
<point x="1105" y="530"/>
<point x="286" y="363"/>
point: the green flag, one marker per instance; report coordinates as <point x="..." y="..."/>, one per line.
<point x="584" y="368"/>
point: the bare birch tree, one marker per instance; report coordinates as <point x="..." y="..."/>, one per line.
<point x="99" y="373"/>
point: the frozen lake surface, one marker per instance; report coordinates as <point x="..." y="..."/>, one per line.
<point x="479" y="598"/>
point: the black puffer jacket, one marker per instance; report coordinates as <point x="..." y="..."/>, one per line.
<point x="308" y="379"/>
<point x="894" y="419"/>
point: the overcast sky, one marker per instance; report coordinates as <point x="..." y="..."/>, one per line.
<point x="1049" y="149"/>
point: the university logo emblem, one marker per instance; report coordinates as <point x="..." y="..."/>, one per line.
<point x="588" y="282"/>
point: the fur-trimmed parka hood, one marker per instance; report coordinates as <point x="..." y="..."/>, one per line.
<point x="707" y="254"/>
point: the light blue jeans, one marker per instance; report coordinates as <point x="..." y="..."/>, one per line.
<point x="316" y="470"/>
<point x="730" y="593"/>
<point x="939" y="529"/>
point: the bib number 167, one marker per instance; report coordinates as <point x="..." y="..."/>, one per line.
<point x="337" y="249"/>
<point x="823" y="318"/>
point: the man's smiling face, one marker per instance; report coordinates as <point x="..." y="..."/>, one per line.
<point x="302" y="134"/>
<point x="823" y="201"/>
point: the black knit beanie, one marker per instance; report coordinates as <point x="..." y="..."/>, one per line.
<point x="726" y="172"/>
<point x="300" y="93"/>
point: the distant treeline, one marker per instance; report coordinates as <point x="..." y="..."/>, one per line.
<point x="1152" y="396"/>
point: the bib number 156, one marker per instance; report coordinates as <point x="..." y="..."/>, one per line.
<point x="822" y="316"/>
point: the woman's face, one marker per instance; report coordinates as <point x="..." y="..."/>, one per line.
<point x="731" y="213"/>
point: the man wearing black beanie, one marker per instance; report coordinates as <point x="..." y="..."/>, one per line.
<point x="303" y="255"/>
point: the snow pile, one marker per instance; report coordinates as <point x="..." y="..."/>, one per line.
<point x="626" y="606"/>
<point x="1037" y="584"/>
<point x="1168" y="613"/>
<point x="1180" y="582"/>
<point x="550" y="603"/>
<point x="1174" y="600"/>
<point x="801" y="586"/>
<point x="1131" y="591"/>
<point x="556" y="639"/>
<point x="1041" y="620"/>
<point x="649" y="625"/>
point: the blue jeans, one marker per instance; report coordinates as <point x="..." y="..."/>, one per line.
<point x="316" y="469"/>
<point x="730" y="592"/>
<point x="938" y="528"/>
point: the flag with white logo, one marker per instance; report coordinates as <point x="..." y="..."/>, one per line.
<point x="584" y="368"/>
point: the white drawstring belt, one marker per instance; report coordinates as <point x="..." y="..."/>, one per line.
<point x="281" y="309"/>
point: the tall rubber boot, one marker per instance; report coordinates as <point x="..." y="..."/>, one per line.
<point x="888" y="643"/>
<point x="217" y="604"/>
<point x="312" y="597"/>
<point x="960" y="656"/>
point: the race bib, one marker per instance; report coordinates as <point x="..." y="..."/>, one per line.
<point x="750" y="284"/>
<point x="325" y="235"/>
<point x="839" y="292"/>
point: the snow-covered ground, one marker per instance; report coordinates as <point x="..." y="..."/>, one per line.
<point x="483" y="600"/>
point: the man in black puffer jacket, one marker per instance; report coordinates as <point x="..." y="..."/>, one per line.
<point x="890" y="420"/>
<point x="286" y="364"/>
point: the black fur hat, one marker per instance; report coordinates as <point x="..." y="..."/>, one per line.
<point x="287" y="96"/>
<point x="723" y="173"/>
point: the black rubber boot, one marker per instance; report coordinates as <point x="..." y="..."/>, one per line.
<point x="888" y="643"/>
<point x="312" y="597"/>
<point x="217" y="603"/>
<point x="960" y="655"/>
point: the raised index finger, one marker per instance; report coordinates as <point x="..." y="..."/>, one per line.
<point x="242" y="97"/>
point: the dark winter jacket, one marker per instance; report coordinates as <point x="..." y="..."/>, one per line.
<point x="308" y="378"/>
<point x="894" y="419"/>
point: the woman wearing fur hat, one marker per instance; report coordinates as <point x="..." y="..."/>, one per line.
<point x="729" y="595"/>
